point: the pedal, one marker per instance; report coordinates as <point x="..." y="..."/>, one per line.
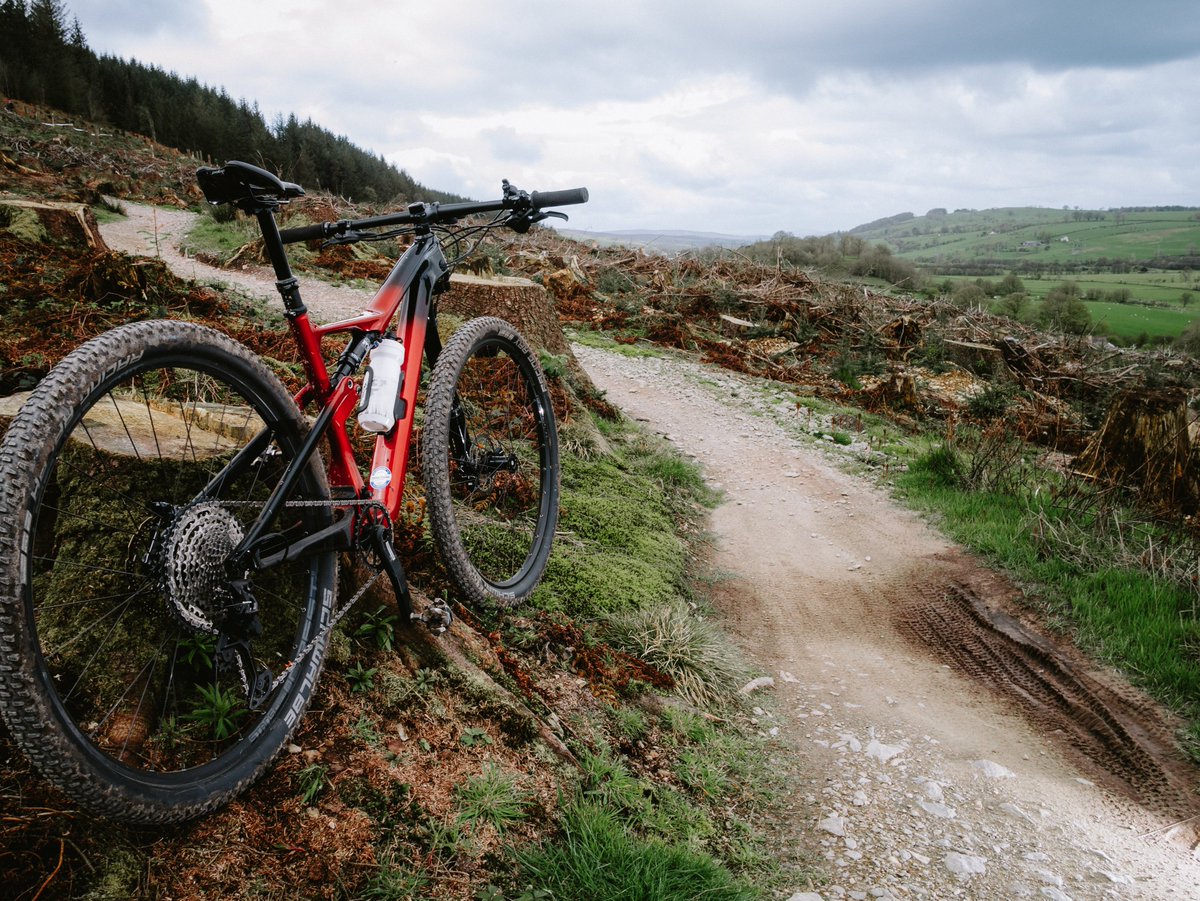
<point x="437" y="617"/>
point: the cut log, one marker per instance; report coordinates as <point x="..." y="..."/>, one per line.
<point x="1144" y="445"/>
<point x="40" y="221"/>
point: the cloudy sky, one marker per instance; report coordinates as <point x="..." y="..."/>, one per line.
<point x="743" y="117"/>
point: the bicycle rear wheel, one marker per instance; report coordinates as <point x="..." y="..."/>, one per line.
<point x="126" y="479"/>
<point x="489" y="460"/>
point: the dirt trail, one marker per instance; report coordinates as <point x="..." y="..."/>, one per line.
<point x="951" y="750"/>
<point x="157" y="231"/>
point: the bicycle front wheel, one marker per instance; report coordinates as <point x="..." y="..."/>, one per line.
<point x="489" y="460"/>
<point x="126" y="480"/>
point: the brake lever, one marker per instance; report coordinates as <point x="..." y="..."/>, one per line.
<point x="346" y="237"/>
<point x="520" y="224"/>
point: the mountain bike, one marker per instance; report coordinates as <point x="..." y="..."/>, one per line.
<point x="170" y="530"/>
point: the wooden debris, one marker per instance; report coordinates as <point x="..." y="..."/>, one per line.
<point x="1144" y="445"/>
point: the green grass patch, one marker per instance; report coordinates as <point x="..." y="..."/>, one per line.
<point x="219" y="239"/>
<point x="618" y="545"/>
<point x="1130" y="618"/>
<point x="598" y="858"/>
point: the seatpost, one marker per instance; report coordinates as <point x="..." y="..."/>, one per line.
<point x="286" y="283"/>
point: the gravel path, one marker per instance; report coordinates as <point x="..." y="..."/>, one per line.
<point x="924" y="783"/>
<point x="950" y="752"/>
<point x="157" y="231"/>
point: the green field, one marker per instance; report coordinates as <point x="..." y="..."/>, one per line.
<point x="1155" y="308"/>
<point x="1025" y="236"/>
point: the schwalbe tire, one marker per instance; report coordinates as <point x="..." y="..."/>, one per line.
<point x="37" y="720"/>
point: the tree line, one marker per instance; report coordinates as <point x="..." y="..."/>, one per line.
<point x="45" y="59"/>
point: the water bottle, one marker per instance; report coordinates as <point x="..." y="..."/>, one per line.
<point x="381" y="386"/>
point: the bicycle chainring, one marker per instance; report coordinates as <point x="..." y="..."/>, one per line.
<point x="194" y="548"/>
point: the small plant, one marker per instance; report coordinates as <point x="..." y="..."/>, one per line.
<point x="492" y="797"/>
<point x="630" y="722"/>
<point x="691" y="650"/>
<point x="703" y="774"/>
<point x="218" y="710"/>
<point x="842" y="438"/>
<point x="360" y="677"/>
<point x="942" y="466"/>
<point x="390" y="883"/>
<point x="990" y="403"/>
<point x="364" y="730"/>
<point x="312" y="780"/>
<point x="380" y="627"/>
<point x="198" y="650"/>
<point x="473" y="735"/>
<point x="554" y="366"/>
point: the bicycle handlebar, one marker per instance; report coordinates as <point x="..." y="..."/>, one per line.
<point x="433" y="213"/>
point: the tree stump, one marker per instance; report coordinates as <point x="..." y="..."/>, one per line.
<point x="1144" y="445"/>
<point x="528" y="306"/>
<point x="519" y="301"/>
<point x="48" y="220"/>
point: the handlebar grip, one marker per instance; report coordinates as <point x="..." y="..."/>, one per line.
<point x="541" y="199"/>
<point x="305" y="233"/>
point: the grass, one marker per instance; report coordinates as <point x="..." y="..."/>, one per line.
<point x="598" y="859"/>
<point x="492" y="797"/>
<point x="691" y="650"/>
<point x="619" y="545"/>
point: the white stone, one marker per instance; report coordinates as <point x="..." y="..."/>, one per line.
<point x="933" y="791"/>
<point x="937" y="810"/>
<point x="1014" y="811"/>
<point x="834" y="825"/>
<point x="756" y="684"/>
<point x="993" y="770"/>
<point x="1054" y="894"/>
<point x="1049" y="878"/>
<point x="881" y="752"/>
<point x="964" y="864"/>
<point x="806" y="896"/>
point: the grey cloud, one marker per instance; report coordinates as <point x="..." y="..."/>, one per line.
<point x="112" y="22"/>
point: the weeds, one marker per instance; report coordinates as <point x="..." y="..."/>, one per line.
<point x="311" y="781"/>
<point x="492" y="797"/>
<point x="691" y="650"/>
<point x="361" y="678"/>
<point x="218" y="710"/>
<point x="378" y="626"/>
<point x="598" y="858"/>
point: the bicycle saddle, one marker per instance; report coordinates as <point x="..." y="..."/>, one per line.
<point x="250" y="187"/>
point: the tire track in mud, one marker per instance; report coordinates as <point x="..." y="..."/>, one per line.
<point x="1116" y="737"/>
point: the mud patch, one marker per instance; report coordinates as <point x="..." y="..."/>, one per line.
<point x="1117" y="737"/>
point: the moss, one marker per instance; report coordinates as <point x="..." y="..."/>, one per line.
<point x="117" y="878"/>
<point x="23" y="224"/>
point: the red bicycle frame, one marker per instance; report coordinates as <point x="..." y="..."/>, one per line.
<point x="407" y="293"/>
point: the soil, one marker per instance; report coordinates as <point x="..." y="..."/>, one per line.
<point x="947" y="747"/>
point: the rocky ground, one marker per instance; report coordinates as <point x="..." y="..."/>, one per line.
<point x="948" y="749"/>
